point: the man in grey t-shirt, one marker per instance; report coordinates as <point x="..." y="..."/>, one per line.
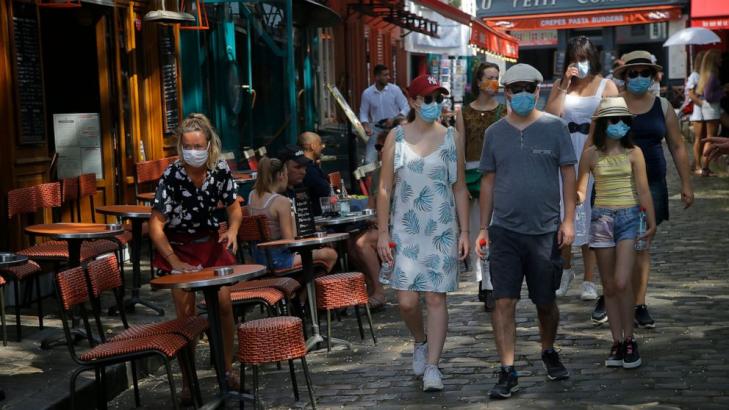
<point x="523" y="156"/>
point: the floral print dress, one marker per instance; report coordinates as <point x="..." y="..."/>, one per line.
<point x="423" y="217"/>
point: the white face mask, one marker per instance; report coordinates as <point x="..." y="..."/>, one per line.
<point x="583" y="69"/>
<point x="195" y="158"/>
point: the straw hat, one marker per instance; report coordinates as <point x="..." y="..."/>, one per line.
<point x="612" y="107"/>
<point x="638" y="58"/>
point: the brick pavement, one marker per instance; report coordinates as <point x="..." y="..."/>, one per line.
<point x="686" y="364"/>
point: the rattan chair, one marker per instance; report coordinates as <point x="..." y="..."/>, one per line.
<point x="272" y="340"/>
<point x="2" y="311"/>
<point x="339" y="291"/>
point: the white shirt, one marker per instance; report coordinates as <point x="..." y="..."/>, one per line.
<point x="377" y="105"/>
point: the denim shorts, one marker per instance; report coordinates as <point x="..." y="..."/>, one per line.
<point x="609" y="226"/>
<point x="280" y="258"/>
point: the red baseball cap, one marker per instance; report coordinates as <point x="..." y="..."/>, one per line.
<point x="425" y="85"/>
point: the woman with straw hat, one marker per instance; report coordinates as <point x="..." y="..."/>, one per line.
<point x="621" y="188"/>
<point x="654" y="120"/>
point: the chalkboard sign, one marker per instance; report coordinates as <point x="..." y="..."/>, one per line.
<point x="168" y="66"/>
<point x="28" y="74"/>
<point x="304" y="214"/>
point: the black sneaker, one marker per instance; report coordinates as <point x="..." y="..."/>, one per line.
<point x="599" y="314"/>
<point x="631" y="358"/>
<point x="489" y="303"/>
<point x="616" y="355"/>
<point x="643" y="318"/>
<point x="555" y="368"/>
<point x="508" y="383"/>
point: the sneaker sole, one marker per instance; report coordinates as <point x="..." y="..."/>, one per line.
<point x="599" y="321"/>
<point x="646" y="326"/>
<point x="588" y="297"/>
<point x="614" y="363"/>
<point x="504" y="396"/>
<point x="555" y="378"/>
<point x="632" y="365"/>
<point x="431" y="389"/>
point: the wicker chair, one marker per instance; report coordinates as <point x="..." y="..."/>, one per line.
<point x="73" y="291"/>
<point x="273" y="340"/>
<point x="2" y="310"/>
<point x="149" y="172"/>
<point x="343" y="290"/>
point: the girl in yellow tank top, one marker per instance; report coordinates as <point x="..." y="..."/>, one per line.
<point x="621" y="191"/>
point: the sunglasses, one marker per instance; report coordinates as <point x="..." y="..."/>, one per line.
<point x="642" y="73"/>
<point x="429" y="99"/>
<point x="516" y="89"/>
<point x="615" y="120"/>
<point x="378" y="147"/>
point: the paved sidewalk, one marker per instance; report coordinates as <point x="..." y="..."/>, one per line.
<point x="686" y="359"/>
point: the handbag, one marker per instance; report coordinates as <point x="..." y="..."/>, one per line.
<point x="473" y="182"/>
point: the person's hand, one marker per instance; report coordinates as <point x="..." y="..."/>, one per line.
<point x="179" y="266"/>
<point x="230" y="240"/>
<point x="568" y="74"/>
<point x="566" y="234"/>
<point x="648" y="236"/>
<point x="718" y="146"/>
<point x="384" y="247"/>
<point x="463" y="245"/>
<point x="687" y="196"/>
<point x="482" y="243"/>
<point x="367" y="128"/>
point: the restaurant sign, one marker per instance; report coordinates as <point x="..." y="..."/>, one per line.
<point x="536" y="38"/>
<point x="511" y="8"/>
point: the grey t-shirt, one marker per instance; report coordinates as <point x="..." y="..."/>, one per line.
<point x="527" y="166"/>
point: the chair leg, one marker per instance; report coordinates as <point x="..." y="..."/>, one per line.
<point x="40" y="301"/>
<point x="102" y="388"/>
<point x="72" y="389"/>
<point x="293" y="380"/>
<point x="369" y="320"/>
<point x="307" y="376"/>
<point x="171" y="381"/>
<point x="255" y="387"/>
<point x="329" y="330"/>
<point x="2" y="316"/>
<point x="359" y="323"/>
<point x="18" y="327"/>
<point x="193" y="373"/>
<point x="135" y="383"/>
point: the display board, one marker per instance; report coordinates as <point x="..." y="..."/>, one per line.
<point x="305" y="226"/>
<point x="28" y="74"/>
<point x="351" y="116"/>
<point x="168" y="67"/>
<point x="78" y="144"/>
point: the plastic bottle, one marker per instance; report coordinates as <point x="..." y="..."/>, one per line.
<point x="386" y="268"/>
<point x="580" y="221"/>
<point x="641" y="244"/>
<point x="485" y="257"/>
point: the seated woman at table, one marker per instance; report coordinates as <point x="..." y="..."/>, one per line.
<point x="266" y="199"/>
<point x="183" y="226"/>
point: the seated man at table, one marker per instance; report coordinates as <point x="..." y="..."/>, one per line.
<point x="315" y="180"/>
<point x="266" y="199"/>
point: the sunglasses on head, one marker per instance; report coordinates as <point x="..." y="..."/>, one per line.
<point x="516" y="89"/>
<point x="429" y="99"/>
<point x="615" y="120"/>
<point x="642" y="73"/>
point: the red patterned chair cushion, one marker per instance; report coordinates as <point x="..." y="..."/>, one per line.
<point x="188" y="327"/>
<point x="288" y="286"/>
<point x="169" y="345"/>
<point x="22" y="271"/>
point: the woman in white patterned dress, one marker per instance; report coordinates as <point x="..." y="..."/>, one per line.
<point x="421" y="202"/>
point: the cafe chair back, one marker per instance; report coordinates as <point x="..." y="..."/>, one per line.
<point x="73" y="290"/>
<point x="272" y="340"/>
<point x="69" y="196"/>
<point x="149" y="172"/>
<point x="343" y="290"/>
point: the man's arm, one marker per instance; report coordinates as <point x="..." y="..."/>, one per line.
<point x="567" y="230"/>
<point x="486" y="205"/>
<point x="364" y="112"/>
<point x="402" y="103"/>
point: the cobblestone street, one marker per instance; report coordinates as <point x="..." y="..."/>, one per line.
<point x="685" y="359"/>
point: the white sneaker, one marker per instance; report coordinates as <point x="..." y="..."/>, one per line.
<point x="432" y="379"/>
<point x="589" y="291"/>
<point x="564" y="285"/>
<point x="420" y="352"/>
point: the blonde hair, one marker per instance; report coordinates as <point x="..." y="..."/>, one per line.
<point x="268" y="170"/>
<point x="698" y="60"/>
<point x="196" y="122"/>
<point x="709" y="67"/>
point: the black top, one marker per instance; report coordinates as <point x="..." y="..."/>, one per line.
<point x="318" y="185"/>
<point x="190" y="209"/>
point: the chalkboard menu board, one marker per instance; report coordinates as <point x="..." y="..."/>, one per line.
<point x="168" y="65"/>
<point x="304" y="214"/>
<point x="28" y="74"/>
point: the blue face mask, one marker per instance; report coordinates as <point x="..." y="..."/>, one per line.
<point x="617" y="131"/>
<point x="430" y="112"/>
<point x="639" y="85"/>
<point x="523" y="103"/>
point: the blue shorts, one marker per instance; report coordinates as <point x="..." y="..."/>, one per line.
<point x="280" y="258"/>
<point x="609" y="226"/>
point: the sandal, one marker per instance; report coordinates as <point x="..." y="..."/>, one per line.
<point x="376" y="304"/>
<point x="706" y="172"/>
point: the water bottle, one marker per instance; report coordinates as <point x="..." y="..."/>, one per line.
<point x="386" y="268"/>
<point x="485" y="257"/>
<point x="580" y="221"/>
<point x="641" y="244"/>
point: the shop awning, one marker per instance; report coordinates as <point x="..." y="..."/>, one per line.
<point x="446" y="10"/>
<point x="597" y="18"/>
<point x="492" y="41"/>
<point x="710" y="14"/>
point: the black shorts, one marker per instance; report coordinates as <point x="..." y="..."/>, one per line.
<point x="514" y="255"/>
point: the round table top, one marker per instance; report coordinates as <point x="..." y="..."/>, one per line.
<point x="10" y="259"/>
<point x="127" y="211"/>
<point x="146" y="196"/>
<point x="304" y="242"/>
<point x="207" y="277"/>
<point x="341" y="220"/>
<point x="75" y="230"/>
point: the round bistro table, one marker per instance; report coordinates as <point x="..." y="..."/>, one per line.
<point x="305" y="247"/>
<point x="209" y="282"/>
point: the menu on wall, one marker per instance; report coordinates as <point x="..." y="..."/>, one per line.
<point x="168" y="66"/>
<point x="304" y="214"/>
<point x="28" y="74"/>
<point x="78" y="144"/>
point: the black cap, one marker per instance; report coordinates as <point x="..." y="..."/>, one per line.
<point x="293" y="152"/>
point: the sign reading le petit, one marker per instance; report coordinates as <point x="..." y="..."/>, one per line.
<point x="502" y="8"/>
